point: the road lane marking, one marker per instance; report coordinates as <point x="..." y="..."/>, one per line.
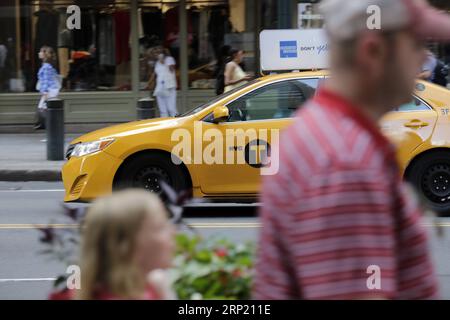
<point x="73" y="225"/>
<point x="35" y="226"/>
<point x="198" y="225"/>
<point x="48" y="190"/>
<point x="27" y="280"/>
<point x="225" y="225"/>
<point x="222" y="204"/>
<point x="54" y="279"/>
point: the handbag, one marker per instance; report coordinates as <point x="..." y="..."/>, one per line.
<point x="161" y="90"/>
<point x="59" y="80"/>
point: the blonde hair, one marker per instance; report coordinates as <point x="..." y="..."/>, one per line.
<point x="109" y="242"/>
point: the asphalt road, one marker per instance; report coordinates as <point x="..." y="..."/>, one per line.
<point x="25" y="274"/>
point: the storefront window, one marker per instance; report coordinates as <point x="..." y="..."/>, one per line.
<point x="98" y="56"/>
<point x="308" y="15"/>
<point x="214" y="28"/>
<point x="158" y="28"/>
<point x="208" y="27"/>
<point x="95" y="57"/>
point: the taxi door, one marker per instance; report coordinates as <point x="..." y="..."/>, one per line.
<point x="252" y="130"/>
<point x="408" y="127"/>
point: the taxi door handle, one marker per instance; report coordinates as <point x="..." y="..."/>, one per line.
<point x="416" y="124"/>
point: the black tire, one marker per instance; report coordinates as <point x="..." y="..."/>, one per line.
<point x="145" y="170"/>
<point x="430" y="174"/>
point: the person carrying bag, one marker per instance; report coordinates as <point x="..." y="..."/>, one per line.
<point x="49" y="83"/>
<point x="166" y="84"/>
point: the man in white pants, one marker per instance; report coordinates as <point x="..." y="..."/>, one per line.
<point x="166" y="85"/>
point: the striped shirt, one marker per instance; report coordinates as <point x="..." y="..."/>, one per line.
<point x="338" y="222"/>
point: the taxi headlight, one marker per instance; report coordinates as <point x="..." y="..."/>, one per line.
<point x="82" y="149"/>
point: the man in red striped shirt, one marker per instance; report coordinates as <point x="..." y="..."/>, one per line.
<point x="338" y="222"/>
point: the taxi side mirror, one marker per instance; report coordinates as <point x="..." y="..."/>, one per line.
<point x="220" y="114"/>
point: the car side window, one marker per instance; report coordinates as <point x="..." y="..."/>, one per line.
<point x="414" y="105"/>
<point x="274" y="101"/>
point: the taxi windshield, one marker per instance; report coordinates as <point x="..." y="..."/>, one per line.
<point x="216" y="99"/>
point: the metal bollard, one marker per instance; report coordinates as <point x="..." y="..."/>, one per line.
<point x="146" y="108"/>
<point x="55" y="129"/>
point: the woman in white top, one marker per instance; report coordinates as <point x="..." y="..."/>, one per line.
<point x="166" y="84"/>
<point x="234" y="75"/>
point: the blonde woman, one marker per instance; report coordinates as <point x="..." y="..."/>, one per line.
<point x="234" y="75"/>
<point x="49" y="82"/>
<point x="127" y="241"/>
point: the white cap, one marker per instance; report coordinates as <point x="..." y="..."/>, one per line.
<point x="345" y="19"/>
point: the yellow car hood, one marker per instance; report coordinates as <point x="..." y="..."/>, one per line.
<point x="127" y="129"/>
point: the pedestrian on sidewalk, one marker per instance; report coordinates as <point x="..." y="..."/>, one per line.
<point x="49" y="83"/>
<point x="337" y="220"/>
<point x="234" y="75"/>
<point x="166" y="84"/>
<point x="127" y="243"/>
<point x="434" y="70"/>
<point x="429" y="66"/>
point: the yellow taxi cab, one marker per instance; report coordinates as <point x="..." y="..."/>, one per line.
<point x="141" y="153"/>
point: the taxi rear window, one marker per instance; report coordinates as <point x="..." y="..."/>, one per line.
<point x="415" y="105"/>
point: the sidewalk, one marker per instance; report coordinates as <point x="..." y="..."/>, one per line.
<point x="23" y="157"/>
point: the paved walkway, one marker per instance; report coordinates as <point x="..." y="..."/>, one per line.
<point x="23" y="157"/>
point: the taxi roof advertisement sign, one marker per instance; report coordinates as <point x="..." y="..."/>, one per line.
<point x="293" y="49"/>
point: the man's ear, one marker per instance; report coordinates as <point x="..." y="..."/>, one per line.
<point x="371" y="52"/>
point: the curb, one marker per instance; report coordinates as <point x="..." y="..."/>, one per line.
<point x="30" y="175"/>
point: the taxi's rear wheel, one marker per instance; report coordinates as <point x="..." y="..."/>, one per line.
<point x="430" y="174"/>
<point x="146" y="171"/>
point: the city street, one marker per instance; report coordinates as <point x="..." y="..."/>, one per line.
<point x="141" y="140"/>
<point x="24" y="274"/>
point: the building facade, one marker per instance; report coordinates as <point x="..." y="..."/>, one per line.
<point x="106" y="61"/>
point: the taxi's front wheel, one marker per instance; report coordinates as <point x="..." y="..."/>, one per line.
<point x="430" y="174"/>
<point x="147" y="170"/>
